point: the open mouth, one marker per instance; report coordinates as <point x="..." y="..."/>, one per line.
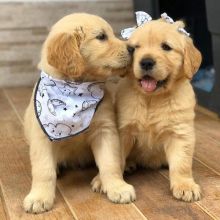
<point x="149" y="84"/>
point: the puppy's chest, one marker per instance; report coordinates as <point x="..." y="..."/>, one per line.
<point x="151" y="127"/>
<point x="148" y="120"/>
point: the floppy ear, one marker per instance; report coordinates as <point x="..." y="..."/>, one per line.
<point x="63" y="53"/>
<point x="192" y="59"/>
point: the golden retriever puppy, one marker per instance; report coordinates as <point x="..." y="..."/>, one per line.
<point x="155" y="104"/>
<point x="79" y="49"/>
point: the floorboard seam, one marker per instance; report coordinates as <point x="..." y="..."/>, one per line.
<point x="139" y="211"/>
<point x="68" y="205"/>
<point x="201" y="207"/>
<point x="13" y="106"/>
<point x="204" y="209"/>
<point x="210" y="168"/>
<point x="209" y="137"/>
<point x="6" y="211"/>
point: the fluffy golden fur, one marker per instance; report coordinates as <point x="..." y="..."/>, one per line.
<point x="79" y="47"/>
<point x="157" y="127"/>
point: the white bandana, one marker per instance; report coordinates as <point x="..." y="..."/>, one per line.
<point x="65" y="108"/>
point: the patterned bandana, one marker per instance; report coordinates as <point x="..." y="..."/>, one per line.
<point x="65" y="108"/>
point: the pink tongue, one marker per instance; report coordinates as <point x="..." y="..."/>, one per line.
<point x="149" y="85"/>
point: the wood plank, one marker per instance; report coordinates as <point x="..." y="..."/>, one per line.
<point x="207" y="112"/>
<point x="20" y="98"/>
<point x="75" y="187"/>
<point x="210" y="126"/>
<point x="15" y="169"/>
<point x="18" y="79"/>
<point x="2" y="210"/>
<point x="207" y="150"/>
<point x="210" y="184"/>
<point x="154" y="198"/>
<point x="208" y="140"/>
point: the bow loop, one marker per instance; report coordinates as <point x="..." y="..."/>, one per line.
<point x="127" y="32"/>
<point x="183" y="31"/>
<point x="168" y="19"/>
<point x="141" y="18"/>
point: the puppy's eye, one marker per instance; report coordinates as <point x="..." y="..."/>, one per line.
<point x="101" y="37"/>
<point x="166" y="47"/>
<point x="130" y="49"/>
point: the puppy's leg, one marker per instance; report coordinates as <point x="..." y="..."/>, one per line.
<point x="127" y="144"/>
<point x="106" y="150"/>
<point x="179" y="154"/>
<point x="42" y="193"/>
<point x="105" y="144"/>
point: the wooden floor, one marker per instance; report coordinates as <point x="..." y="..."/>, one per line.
<point x="74" y="198"/>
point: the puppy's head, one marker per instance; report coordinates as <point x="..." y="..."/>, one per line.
<point x="162" y="56"/>
<point x="83" y="46"/>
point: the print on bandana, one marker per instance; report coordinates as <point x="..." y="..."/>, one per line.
<point x="65" y="108"/>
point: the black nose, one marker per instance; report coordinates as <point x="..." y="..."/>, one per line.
<point x="130" y="49"/>
<point x="147" y="64"/>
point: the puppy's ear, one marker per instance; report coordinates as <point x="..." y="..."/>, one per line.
<point x="192" y="59"/>
<point x="63" y="53"/>
<point x="179" y="24"/>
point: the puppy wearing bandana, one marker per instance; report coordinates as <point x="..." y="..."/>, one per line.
<point x="70" y="117"/>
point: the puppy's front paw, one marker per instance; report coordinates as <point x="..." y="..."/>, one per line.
<point x="38" y="202"/>
<point x="186" y="190"/>
<point x="117" y="191"/>
<point x="120" y="192"/>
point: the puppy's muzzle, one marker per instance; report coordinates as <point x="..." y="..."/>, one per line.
<point x="147" y="64"/>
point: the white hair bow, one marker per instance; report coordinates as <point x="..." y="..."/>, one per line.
<point x="141" y="18"/>
<point x="168" y="19"/>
